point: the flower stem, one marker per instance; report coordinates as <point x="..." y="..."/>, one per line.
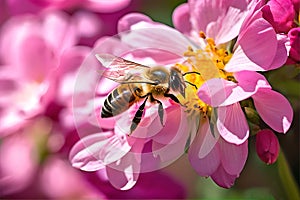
<point x="287" y="179"/>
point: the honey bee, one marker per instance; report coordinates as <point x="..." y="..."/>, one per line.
<point x="139" y="82"/>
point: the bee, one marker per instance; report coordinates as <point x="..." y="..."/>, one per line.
<point x="139" y="82"/>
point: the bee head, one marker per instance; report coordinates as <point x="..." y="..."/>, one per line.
<point x="176" y="82"/>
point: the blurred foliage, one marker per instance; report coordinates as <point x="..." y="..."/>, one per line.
<point x="160" y="10"/>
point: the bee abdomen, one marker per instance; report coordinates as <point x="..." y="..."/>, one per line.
<point x="118" y="101"/>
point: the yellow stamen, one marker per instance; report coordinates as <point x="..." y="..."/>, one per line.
<point x="210" y="63"/>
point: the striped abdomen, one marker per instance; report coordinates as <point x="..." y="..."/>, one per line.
<point x="118" y="101"/>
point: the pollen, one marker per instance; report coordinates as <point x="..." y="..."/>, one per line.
<point x="204" y="64"/>
<point x="191" y="101"/>
<point x="211" y="61"/>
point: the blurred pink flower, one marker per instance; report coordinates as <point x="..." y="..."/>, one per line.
<point x="284" y="16"/>
<point x="34" y="6"/>
<point x="267" y="146"/>
<point x="45" y="173"/>
<point x="281" y="14"/>
<point x="36" y="59"/>
<point x="15" y="150"/>
<point x="296" y="4"/>
<point x="152" y="185"/>
<point x="60" y="181"/>
<point x="94" y="18"/>
<point x="294" y="53"/>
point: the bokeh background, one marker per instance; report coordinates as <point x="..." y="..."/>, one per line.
<point x="34" y="154"/>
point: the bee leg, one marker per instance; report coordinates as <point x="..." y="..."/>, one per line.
<point x="160" y="112"/>
<point x="138" y="116"/>
<point x="160" y="109"/>
<point x="174" y="98"/>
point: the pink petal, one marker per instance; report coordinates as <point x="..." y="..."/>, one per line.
<point x="124" y="173"/>
<point x="249" y="83"/>
<point x="274" y="109"/>
<point x="105" y="6"/>
<point x="175" y="125"/>
<point x="156" y="36"/>
<point x="229" y="26"/>
<point x="128" y="20"/>
<point x="220" y="20"/>
<point x="87" y="24"/>
<point x="168" y="153"/>
<point x="204" y="12"/>
<point x="215" y="91"/>
<point x="233" y="157"/>
<point x="72" y="58"/>
<point x="222" y="178"/>
<point x="281" y="53"/>
<point x="122" y="180"/>
<point x="38" y="59"/>
<point x="181" y="19"/>
<point x="67" y="34"/>
<point x="220" y="92"/>
<point x="240" y="61"/>
<point x="259" y="33"/>
<point x="204" y="154"/>
<point x="110" y="45"/>
<point x="280" y="13"/>
<point x="95" y="151"/>
<point x="232" y="124"/>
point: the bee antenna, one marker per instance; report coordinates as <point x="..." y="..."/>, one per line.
<point x="191" y="73"/>
<point x="191" y="84"/>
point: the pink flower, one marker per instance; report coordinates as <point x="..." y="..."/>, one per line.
<point x="245" y="22"/>
<point x="281" y="14"/>
<point x="14" y="150"/>
<point x="226" y="78"/>
<point x="267" y="146"/>
<point x="59" y="180"/>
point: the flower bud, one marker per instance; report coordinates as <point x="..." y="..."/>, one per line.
<point x="267" y="146"/>
<point x="294" y="54"/>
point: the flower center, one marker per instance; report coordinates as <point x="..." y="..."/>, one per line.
<point x="209" y="63"/>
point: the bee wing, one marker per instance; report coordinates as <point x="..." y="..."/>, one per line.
<point x="123" y="71"/>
